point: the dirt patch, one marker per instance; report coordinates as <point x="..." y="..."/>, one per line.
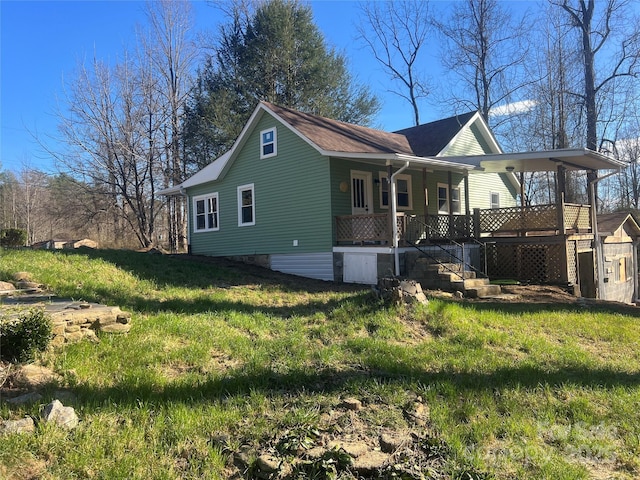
<point x="344" y="443"/>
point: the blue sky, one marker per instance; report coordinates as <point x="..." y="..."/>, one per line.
<point x="42" y="43"/>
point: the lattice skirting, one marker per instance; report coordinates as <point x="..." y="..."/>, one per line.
<point x="535" y="263"/>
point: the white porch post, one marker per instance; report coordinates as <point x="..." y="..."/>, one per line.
<point x="394" y="214"/>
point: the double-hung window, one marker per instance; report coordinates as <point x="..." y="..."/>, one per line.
<point x="268" y="143"/>
<point x="443" y="199"/>
<point x="205" y="213"/>
<point x="246" y="205"/>
<point x="403" y="191"/>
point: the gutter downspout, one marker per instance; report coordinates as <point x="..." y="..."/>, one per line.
<point x="596" y="235"/>
<point x="394" y="213"/>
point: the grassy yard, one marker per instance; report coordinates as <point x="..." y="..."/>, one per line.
<point x="224" y="361"/>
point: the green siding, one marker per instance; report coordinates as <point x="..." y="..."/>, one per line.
<point x="297" y="194"/>
<point x="341" y="201"/>
<point x="291" y="199"/>
<point x="471" y="142"/>
<point x="482" y="184"/>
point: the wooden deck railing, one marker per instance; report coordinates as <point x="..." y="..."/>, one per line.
<point x="510" y="221"/>
<point x="536" y="218"/>
<point x="363" y="228"/>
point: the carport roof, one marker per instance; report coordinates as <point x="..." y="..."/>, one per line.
<point x="542" y="161"/>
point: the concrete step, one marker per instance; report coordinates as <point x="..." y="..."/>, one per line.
<point x="445" y="267"/>
<point x="469" y="283"/>
<point x="483" y="291"/>
<point x="457" y="277"/>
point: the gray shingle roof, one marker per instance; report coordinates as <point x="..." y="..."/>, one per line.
<point x="334" y="136"/>
<point x="429" y="139"/>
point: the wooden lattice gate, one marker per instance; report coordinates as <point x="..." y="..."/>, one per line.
<point x="531" y="262"/>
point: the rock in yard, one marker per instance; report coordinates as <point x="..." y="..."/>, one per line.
<point x="116" y="328"/>
<point x="28" y="285"/>
<point x="370" y="463"/>
<point x="352" y="404"/>
<point x="24" y="425"/>
<point x="31" y="397"/>
<point x="268" y="463"/>
<point x="22" y="277"/>
<point x="390" y="443"/>
<point x="64" y="417"/>
<point x="34" y="376"/>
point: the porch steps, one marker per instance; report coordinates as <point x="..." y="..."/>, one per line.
<point x="452" y="277"/>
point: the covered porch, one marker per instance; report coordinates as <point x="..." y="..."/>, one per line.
<point x="549" y="243"/>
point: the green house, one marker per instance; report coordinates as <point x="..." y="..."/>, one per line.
<point x="315" y="197"/>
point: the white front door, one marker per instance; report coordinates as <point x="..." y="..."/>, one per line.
<point x="361" y="193"/>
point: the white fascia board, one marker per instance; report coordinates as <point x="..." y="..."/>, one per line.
<point x="217" y="169"/>
<point x="171" y="191"/>
<point x="541" y="161"/>
<point x="431" y="162"/>
<point x="390" y="158"/>
<point x="484" y="130"/>
<point x="210" y="173"/>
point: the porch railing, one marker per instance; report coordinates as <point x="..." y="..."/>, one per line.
<point x="510" y="221"/>
<point x="372" y="228"/>
<point x="536" y="218"/>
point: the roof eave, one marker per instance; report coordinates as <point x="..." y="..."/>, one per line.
<point x="426" y="162"/>
<point x="546" y="160"/>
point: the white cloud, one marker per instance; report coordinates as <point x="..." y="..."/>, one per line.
<point x="514" y="108"/>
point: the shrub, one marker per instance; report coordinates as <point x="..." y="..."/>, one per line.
<point x="21" y="339"/>
<point x="13" y="237"/>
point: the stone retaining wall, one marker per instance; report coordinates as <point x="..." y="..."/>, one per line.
<point x="75" y="321"/>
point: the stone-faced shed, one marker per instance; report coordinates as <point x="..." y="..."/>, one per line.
<point x="619" y="234"/>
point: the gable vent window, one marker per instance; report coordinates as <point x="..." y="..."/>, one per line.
<point x="268" y="143"/>
<point x="495" y="200"/>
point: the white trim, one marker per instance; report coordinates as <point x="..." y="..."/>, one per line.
<point x="484" y="131"/>
<point x="357" y="248"/>
<point x="207" y="212"/>
<point x="491" y="204"/>
<point x="382" y="176"/>
<point x="368" y="185"/>
<point x="274" y="142"/>
<point x="244" y="188"/>
<point x="448" y="199"/>
<point x="444" y="210"/>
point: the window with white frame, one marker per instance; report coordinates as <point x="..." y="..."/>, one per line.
<point x="403" y="191"/>
<point x="443" y="199"/>
<point x="205" y="213"/>
<point x="246" y="205"/>
<point x="268" y="143"/>
<point x="455" y="199"/>
<point x="495" y="200"/>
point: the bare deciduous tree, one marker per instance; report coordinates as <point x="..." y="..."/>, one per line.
<point x="107" y="129"/>
<point x="171" y="50"/>
<point x="395" y="33"/>
<point x="486" y="50"/>
<point x="596" y="32"/>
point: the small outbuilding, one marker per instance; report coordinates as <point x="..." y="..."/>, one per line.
<point x="618" y="234"/>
